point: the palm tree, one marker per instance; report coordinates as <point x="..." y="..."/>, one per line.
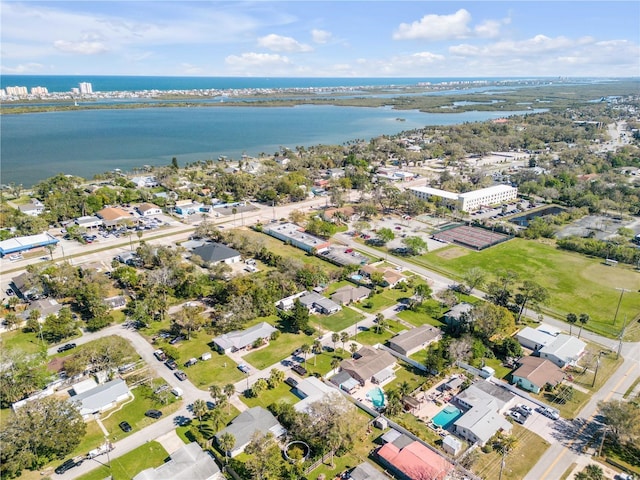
<point x="216" y="393"/>
<point x="316" y="349"/>
<point x="275" y="377"/>
<point x="335" y="363"/>
<point x="226" y="441"/>
<point x="199" y="409"/>
<point x="584" y="319"/>
<point x="305" y="349"/>
<point x="216" y="417"/>
<point x="572" y="318"/>
<point x="335" y="338"/>
<point x="404" y="388"/>
<point x="344" y="338"/>
<point x="353" y="348"/>
<point x="229" y="390"/>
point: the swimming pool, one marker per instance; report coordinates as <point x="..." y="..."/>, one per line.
<point x="445" y="417"/>
<point x="376" y="395"/>
<point x="357" y="277"/>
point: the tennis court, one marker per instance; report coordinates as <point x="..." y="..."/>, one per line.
<point x="471" y="237"/>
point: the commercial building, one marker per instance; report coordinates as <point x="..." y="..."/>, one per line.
<point x="24" y="244"/>
<point x="293" y="234"/>
<point x="469" y="201"/>
<point x="85" y="88"/>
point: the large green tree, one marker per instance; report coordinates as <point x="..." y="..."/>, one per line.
<point x="21" y="374"/>
<point x="40" y="431"/>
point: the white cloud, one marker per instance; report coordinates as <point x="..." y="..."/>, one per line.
<point x="256" y="59"/>
<point x="83" y="48"/>
<point x="278" y="43"/>
<point x="320" y="36"/>
<point x="488" y="29"/>
<point x="532" y="46"/>
<point x="23" y="68"/>
<point x="436" y="27"/>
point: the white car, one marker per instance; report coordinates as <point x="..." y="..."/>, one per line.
<point x="518" y="417"/>
<point x="524" y="409"/>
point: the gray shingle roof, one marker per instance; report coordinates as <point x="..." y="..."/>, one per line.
<point x="215" y="252"/>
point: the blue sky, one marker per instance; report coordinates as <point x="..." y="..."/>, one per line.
<point x="321" y="38"/>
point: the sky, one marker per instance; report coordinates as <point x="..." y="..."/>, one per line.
<point x="321" y="38"/>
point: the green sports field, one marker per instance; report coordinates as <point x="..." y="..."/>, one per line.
<point x="576" y="283"/>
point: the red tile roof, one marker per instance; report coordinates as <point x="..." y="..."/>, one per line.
<point x="416" y="461"/>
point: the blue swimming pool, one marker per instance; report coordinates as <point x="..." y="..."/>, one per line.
<point x="445" y="417"/>
<point x="357" y="277"/>
<point x="376" y="395"/>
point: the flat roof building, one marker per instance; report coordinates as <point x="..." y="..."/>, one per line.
<point x="469" y="201"/>
<point x="293" y="234"/>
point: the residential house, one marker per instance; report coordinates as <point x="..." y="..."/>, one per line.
<point x="533" y="338"/>
<point x="347" y="213"/>
<point x="245" y="425"/>
<point x="317" y="303"/>
<point x="534" y="373"/>
<point x="189" y="462"/>
<point x="26" y="287"/>
<point x="390" y="277"/>
<point x="101" y="397"/>
<point x="34" y="208"/>
<point x="311" y="390"/>
<point x="414" y="461"/>
<point x="241" y="339"/>
<point x="350" y="294"/>
<point x="117" y="302"/>
<point x="45" y="306"/>
<point x="366" y="471"/>
<point x="486" y="402"/>
<point x="563" y="350"/>
<point x="214" y="253"/>
<point x="345" y="382"/>
<point x="295" y="235"/>
<point x="458" y="314"/>
<point x="89" y="221"/>
<point x="148" y="210"/>
<point x="145" y="182"/>
<point x="410" y="341"/>
<point x="369" y="364"/>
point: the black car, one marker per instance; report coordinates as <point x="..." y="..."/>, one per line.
<point x="299" y="369"/>
<point x="175" y="340"/>
<point x="292" y="382"/>
<point x="68" y="465"/>
<point x="66" y="347"/>
<point x="9" y="292"/>
<point x="125" y="426"/>
<point x="180" y="375"/>
<point x="153" y="413"/>
<point x="171" y="364"/>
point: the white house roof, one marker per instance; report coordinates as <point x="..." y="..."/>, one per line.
<point x="256" y="419"/>
<point x="564" y="347"/>
<point x="436" y="192"/>
<point x="312" y="390"/>
<point x="188" y="463"/>
<point x="533" y="335"/>
<point x="483" y="421"/>
<point x="242" y="338"/>
<point x="101" y="396"/>
<point x="487" y="191"/>
<point x="483" y="392"/>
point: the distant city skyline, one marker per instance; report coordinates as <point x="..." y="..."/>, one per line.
<point x="321" y="39"/>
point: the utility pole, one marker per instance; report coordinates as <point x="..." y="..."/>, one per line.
<point x="622" y="290"/>
<point x="504" y="452"/>
<point x="624" y="327"/>
<point x="595" y="375"/>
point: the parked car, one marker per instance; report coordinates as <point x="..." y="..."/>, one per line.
<point x="66" y="347"/>
<point x="9" y="292"/>
<point x="299" y="369"/>
<point x="160" y="355"/>
<point x="517" y="416"/>
<point x="68" y="465"/>
<point x="180" y="375"/>
<point x="243" y="368"/>
<point x="125" y="427"/>
<point x="191" y="362"/>
<point x="525" y="410"/>
<point x="175" y="340"/>
<point x="171" y="364"/>
<point x="551" y="413"/>
<point x="153" y="413"/>
<point x="292" y="382"/>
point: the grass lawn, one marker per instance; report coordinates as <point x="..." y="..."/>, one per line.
<point x="576" y="283"/>
<point x="25" y="342"/>
<point x="276" y="350"/>
<point x="371" y="337"/>
<point x="519" y="461"/>
<point x="417" y="319"/>
<point x="338" y="321"/>
<point x="282" y="393"/>
<point x="149" y="455"/>
<point x="418" y="427"/>
<point x="496" y="364"/>
<point x="387" y="298"/>
<point x="133" y="412"/>
<point x="321" y="364"/>
<point x="409" y="374"/>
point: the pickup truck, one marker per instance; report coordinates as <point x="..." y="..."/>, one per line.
<point x="160" y="355"/>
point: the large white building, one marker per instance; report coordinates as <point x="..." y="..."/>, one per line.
<point x="86" y="87"/>
<point x="469" y="201"/>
